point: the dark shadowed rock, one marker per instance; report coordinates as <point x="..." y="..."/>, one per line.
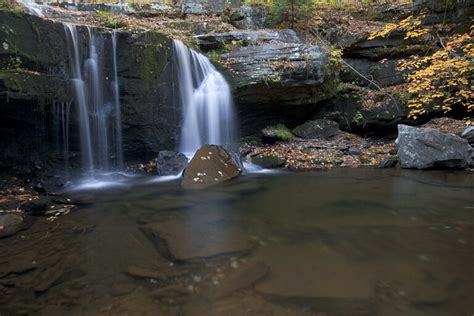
<point x="317" y="129"/>
<point x="210" y="165"/>
<point x="280" y="132"/>
<point x="423" y="148"/>
<point x="468" y="134"/>
<point x="268" y="162"/>
<point x="170" y="163"/>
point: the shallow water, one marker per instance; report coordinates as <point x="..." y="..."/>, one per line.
<point x="341" y="242"/>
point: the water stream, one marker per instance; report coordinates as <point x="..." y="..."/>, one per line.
<point x="97" y="102"/>
<point x="208" y="114"/>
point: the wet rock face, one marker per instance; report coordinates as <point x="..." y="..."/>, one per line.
<point x="150" y="112"/>
<point x="317" y="129"/>
<point x="170" y="163"/>
<point x="210" y="165"/>
<point x="424" y="148"/>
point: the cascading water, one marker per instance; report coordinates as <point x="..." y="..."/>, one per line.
<point x="208" y="115"/>
<point x="33" y="8"/>
<point x="99" y="121"/>
<point x="118" y="110"/>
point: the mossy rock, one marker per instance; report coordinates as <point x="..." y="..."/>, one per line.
<point x="268" y="162"/>
<point x="280" y="132"/>
<point x="389" y="162"/>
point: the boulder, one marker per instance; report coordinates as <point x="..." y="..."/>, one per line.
<point x="11" y="223"/>
<point x="468" y="134"/>
<point x="249" y="17"/>
<point x="268" y="161"/>
<point x="423" y="148"/>
<point x="210" y="165"/>
<point x="280" y="132"/>
<point x="317" y="129"/>
<point x="170" y="163"/>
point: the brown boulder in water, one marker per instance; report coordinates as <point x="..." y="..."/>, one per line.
<point x="210" y="165"/>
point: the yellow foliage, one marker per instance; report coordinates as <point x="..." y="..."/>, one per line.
<point x="441" y="80"/>
<point x="411" y="26"/>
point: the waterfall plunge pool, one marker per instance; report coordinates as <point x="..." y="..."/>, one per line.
<point x="341" y="242"/>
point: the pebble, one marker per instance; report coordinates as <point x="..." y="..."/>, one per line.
<point x="234" y="264"/>
<point x="197" y="278"/>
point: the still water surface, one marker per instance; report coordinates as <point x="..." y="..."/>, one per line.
<point x="341" y="242"/>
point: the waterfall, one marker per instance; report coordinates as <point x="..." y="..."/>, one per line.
<point x="99" y="121"/>
<point x="118" y="111"/>
<point x="206" y="100"/>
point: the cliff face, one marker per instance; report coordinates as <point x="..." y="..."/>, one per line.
<point x="34" y="84"/>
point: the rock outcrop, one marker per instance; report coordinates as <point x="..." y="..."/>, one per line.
<point x="34" y="85"/>
<point x="210" y="165"/>
<point x="249" y="17"/>
<point x="274" y="74"/>
<point x="424" y="148"/>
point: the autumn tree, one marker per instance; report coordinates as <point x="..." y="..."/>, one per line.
<point x="442" y="80"/>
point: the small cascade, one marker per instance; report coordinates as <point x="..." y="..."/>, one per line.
<point x="33" y="8"/>
<point x="99" y="120"/>
<point x="208" y="115"/>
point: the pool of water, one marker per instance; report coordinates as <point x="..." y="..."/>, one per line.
<point x="340" y="242"/>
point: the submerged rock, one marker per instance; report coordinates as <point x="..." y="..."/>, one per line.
<point x="170" y="163"/>
<point x="181" y="240"/>
<point x="280" y="132"/>
<point x="11" y="223"/>
<point x="210" y="165"/>
<point x="317" y="129"/>
<point x="468" y="134"/>
<point x="423" y="148"/>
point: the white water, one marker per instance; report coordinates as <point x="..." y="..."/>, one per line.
<point x="208" y="115"/>
<point x="33" y="8"/>
<point x="99" y="121"/>
<point x="118" y="110"/>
